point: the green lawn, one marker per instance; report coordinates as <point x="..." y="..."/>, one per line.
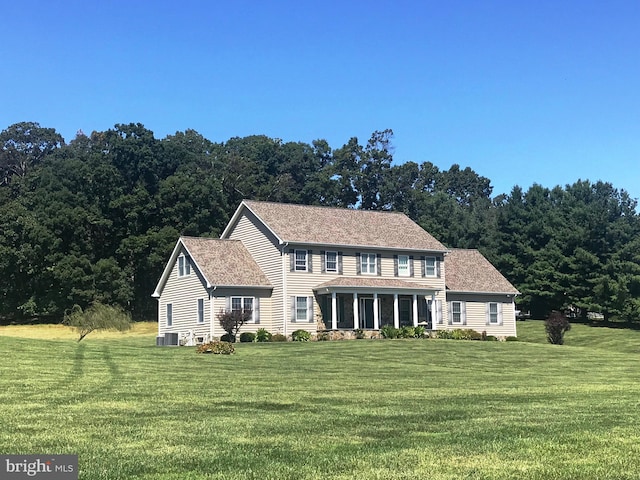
<point x="394" y="409"/>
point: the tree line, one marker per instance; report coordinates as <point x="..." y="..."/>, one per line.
<point x="94" y="220"/>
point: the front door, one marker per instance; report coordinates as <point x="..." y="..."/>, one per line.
<point x="366" y="313"/>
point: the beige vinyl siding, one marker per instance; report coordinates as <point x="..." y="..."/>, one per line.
<point x="183" y="293"/>
<point x="476" y="309"/>
<point x="220" y="296"/>
<point x="264" y="248"/>
<point x="302" y="283"/>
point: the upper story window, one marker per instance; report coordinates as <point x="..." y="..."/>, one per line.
<point x="301" y="261"/>
<point x="403" y="265"/>
<point x="184" y="266"/>
<point x="331" y="261"/>
<point x="368" y="263"/>
<point x="430" y="267"/>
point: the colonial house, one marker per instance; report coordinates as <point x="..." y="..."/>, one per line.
<point x="320" y="268"/>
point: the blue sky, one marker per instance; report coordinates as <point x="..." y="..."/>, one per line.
<point x="521" y="92"/>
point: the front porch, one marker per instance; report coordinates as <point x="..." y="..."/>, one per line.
<point x="370" y="307"/>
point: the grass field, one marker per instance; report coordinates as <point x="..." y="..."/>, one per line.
<point x="386" y="409"/>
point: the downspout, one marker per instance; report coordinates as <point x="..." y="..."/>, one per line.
<point x="211" y="315"/>
<point x="284" y="245"/>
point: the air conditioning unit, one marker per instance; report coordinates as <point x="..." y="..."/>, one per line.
<point x="160" y="341"/>
<point x="171" y="339"/>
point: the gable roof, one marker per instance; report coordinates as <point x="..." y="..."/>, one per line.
<point x="470" y="271"/>
<point x="313" y="225"/>
<point x="222" y="263"/>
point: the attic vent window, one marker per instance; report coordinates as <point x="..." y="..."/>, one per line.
<point x="184" y="266"/>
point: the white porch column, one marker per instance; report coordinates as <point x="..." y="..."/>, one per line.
<point x="434" y="313"/>
<point x="415" y="310"/>
<point x="376" y="317"/>
<point x="396" y="311"/>
<point x="334" y="311"/>
<point x="356" y="315"/>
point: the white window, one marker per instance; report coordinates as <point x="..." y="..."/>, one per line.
<point x="494" y="313"/>
<point x="301" y="261"/>
<point x="242" y="304"/>
<point x="301" y="309"/>
<point x="430" y="269"/>
<point x="368" y="263"/>
<point x="403" y="265"/>
<point x="456" y="313"/>
<point x="331" y="261"/>
<point x="169" y="314"/>
<point x="184" y="266"/>
<point x="200" y="310"/>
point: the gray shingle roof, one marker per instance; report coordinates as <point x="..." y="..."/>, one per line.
<point x="372" y="282"/>
<point x="470" y="271"/>
<point x="225" y="262"/>
<point x="341" y="226"/>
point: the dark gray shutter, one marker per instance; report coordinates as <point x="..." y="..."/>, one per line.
<point x="422" y="262"/>
<point x="309" y="261"/>
<point x="293" y="308"/>
<point x="500" y="313"/>
<point x="256" y="310"/>
<point x="379" y="264"/>
<point x="450" y="312"/>
<point x="487" y="312"/>
<point x="292" y="259"/>
<point x="310" y="315"/>
<point x="463" y="312"/>
<point x="323" y="261"/>
<point x="395" y="265"/>
<point x="358" y="266"/>
<point x="340" y="262"/>
<point x="227" y="304"/>
<point x="438" y="260"/>
<point x="411" y="265"/>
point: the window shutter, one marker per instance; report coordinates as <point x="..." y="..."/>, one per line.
<point x="411" y="265"/>
<point x="450" y="312"/>
<point x="323" y="261"/>
<point x="340" y="262"/>
<point x="439" y="311"/>
<point x="395" y="265"/>
<point x="310" y="309"/>
<point x="293" y="309"/>
<point x="487" y="312"/>
<point x="292" y="259"/>
<point x="379" y="264"/>
<point x="422" y="262"/>
<point x="309" y="261"/>
<point x="500" y="313"/>
<point x="463" y="312"/>
<point x="438" y="261"/>
<point x="358" y="265"/>
<point x="256" y="310"/>
<point x="227" y="304"/>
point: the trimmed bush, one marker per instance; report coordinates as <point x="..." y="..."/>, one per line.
<point x="465" y="334"/>
<point x="247" y="337"/>
<point x="227" y="337"/>
<point x="556" y="326"/>
<point x="509" y="339"/>
<point x="300" y="336"/>
<point x="218" y="348"/>
<point x="278" y="337"/>
<point x="444" y="334"/>
<point x="387" y="331"/>
<point x="263" y="336"/>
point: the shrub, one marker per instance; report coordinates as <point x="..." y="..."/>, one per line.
<point x="465" y="334"/>
<point x="388" y="331"/>
<point x="419" y="331"/>
<point x="218" y="348"/>
<point x="227" y="337"/>
<point x="556" y="326"/>
<point x="263" y="336"/>
<point x="247" y="337"/>
<point x="278" y="337"/>
<point x="407" y="332"/>
<point x="444" y="334"/>
<point x="493" y="338"/>
<point x="300" y="336"/>
<point x="232" y="321"/>
<point x="509" y="339"/>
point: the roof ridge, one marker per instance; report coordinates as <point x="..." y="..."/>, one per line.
<point x="325" y="207"/>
